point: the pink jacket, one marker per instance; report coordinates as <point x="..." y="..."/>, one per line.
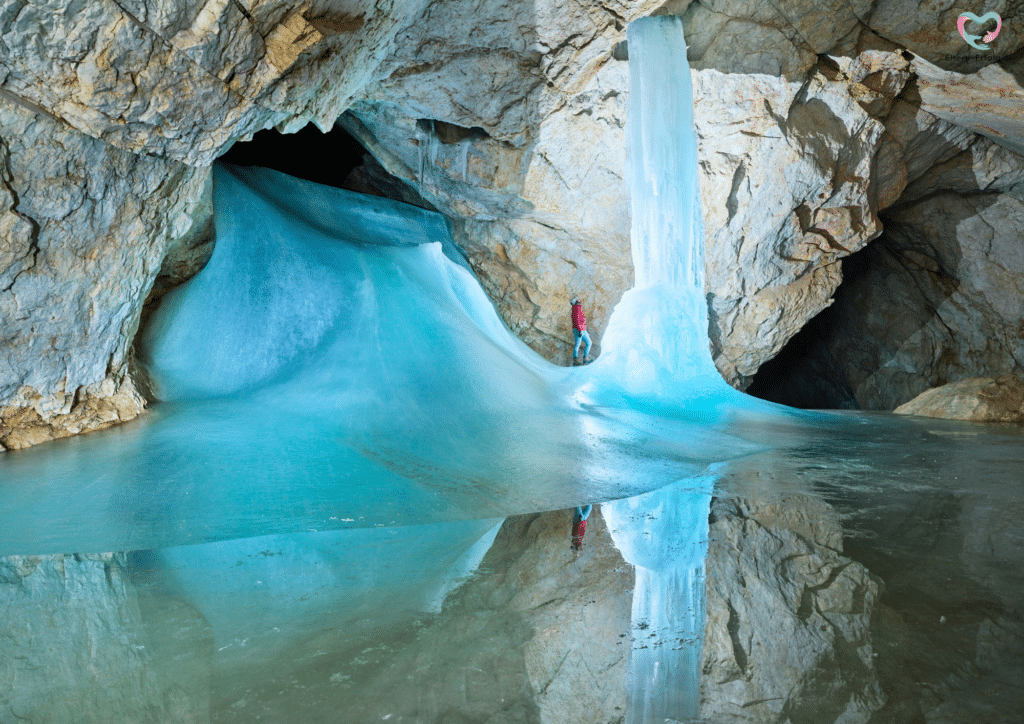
<point x="579" y="320"/>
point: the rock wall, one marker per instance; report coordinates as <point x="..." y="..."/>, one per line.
<point x="814" y="124"/>
<point x="86" y="228"/>
<point x="938" y="298"/>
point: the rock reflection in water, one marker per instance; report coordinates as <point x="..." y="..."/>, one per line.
<point x="879" y="581"/>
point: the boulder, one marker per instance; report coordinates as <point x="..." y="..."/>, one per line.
<point x="978" y="399"/>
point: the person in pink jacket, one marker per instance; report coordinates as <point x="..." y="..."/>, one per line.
<point x="579" y="332"/>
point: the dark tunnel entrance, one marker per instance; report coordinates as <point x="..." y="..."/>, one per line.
<point x="806" y="372"/>
<point x="324" y="158"/>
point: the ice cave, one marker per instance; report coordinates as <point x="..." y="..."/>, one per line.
<point x="294" y="426"/>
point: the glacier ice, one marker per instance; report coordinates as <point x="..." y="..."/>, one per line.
<point x="325" y="372"/>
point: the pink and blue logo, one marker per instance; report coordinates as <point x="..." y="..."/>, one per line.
<point x="972" y="40"/>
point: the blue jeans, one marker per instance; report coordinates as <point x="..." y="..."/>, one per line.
<point x="581" y="337"/>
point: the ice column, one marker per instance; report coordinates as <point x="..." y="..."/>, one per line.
<point x="659" y="345"/>
<point x="657" y="336"/>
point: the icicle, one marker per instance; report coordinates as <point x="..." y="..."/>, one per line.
<point x="464" y="158"/>
<point x="421" y="137"/>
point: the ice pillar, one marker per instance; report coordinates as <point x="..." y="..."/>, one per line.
<point x="657" y="338"/>
<point x="659" y="345"/>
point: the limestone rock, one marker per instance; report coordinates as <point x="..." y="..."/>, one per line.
<point x="134" y="73"/>
<point x="787" y="634"/>
<point x="87" y="228"/>
<point x="785" y="177"/>
<point x="978" y="399"/>
<point x="988" y="102"/>
<point x="188" y="254"/>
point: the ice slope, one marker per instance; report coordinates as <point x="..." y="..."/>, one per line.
<point x="325" y="371"/>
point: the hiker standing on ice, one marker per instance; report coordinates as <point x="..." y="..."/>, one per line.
<point x="579" y="333"/>
<point x="579" y="527"/>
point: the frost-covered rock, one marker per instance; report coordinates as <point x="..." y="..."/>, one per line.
<point x="788" y="617"/>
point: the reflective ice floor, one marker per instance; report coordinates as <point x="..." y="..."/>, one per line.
<point x="474" y="620"/>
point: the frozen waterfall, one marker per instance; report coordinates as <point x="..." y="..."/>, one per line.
<point x="659" y="339"/>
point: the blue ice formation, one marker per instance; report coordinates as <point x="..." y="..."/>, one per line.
<point x="326" y="372"/>
<point x="659" y="334"/>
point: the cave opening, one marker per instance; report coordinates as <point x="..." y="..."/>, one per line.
<point x="311" y="155"/>
<point x="806" y="373"/>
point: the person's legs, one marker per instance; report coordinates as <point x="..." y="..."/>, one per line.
<point x="579" y="338"/>
<point x="586" y="338"/>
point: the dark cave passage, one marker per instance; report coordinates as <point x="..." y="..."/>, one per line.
<point x="806" y="374"/>
<point x="324" y="158"/>
<point x="333" y="159"/>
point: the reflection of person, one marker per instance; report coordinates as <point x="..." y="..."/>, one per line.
<point x="579" y="527"/>
<point x="579" y="332"/>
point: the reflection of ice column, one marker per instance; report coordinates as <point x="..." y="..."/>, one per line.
<point x="664" y="534"/>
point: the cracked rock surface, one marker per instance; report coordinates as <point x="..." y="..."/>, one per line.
<point x="88" y="226"/>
